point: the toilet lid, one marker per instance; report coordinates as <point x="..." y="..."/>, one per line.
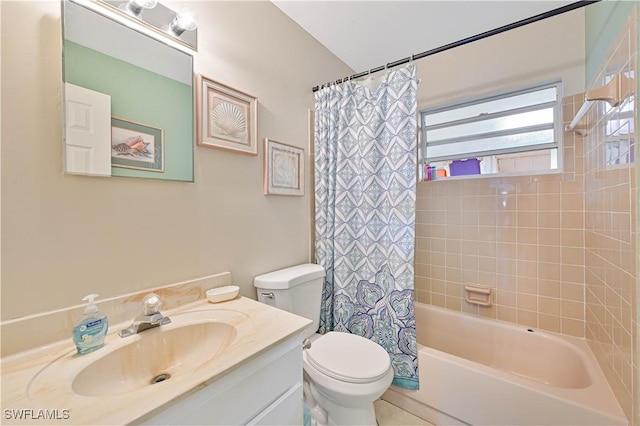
<point x="348" y="357"/>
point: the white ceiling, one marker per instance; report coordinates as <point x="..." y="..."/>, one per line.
<point x="368" y="34"/>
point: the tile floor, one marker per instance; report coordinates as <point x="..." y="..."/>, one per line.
<point x="389" y="415"/>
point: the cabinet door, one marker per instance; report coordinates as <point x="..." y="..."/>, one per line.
<point x="286" y="410"/>
<point x="87" y="148"/>
<point x="243" y="394"/>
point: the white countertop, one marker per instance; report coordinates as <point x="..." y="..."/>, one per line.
<point x="37" y="382"/>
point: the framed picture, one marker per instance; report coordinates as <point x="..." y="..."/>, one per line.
<point x="283" y="169"/>
<point x="227" y="118"/>
<point x="136" y="145"/>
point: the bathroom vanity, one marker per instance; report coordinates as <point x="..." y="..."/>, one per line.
<point x="235" y="362"/>
<point x="265" y="390"/>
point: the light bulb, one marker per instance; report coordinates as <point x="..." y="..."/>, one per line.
<point x="184" y="21"/>
<point x="135" y="7"/>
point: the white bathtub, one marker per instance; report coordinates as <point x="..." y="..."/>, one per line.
<point x="483" y="372"/>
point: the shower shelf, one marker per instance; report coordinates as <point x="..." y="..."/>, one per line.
<point x="614" y="92"/>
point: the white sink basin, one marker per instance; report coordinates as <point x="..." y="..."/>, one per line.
<point x="153" y="357"/>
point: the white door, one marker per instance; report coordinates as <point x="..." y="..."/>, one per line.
<point x="87" y="131"/>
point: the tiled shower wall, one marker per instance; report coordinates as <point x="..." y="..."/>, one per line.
<point x="558" y="250"/>
<point x="523" y="236"/>
<point x="611" y="229"/>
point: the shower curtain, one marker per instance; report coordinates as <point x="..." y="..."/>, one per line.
<point x="365" y="195"/>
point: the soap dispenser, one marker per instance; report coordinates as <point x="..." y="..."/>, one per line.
<point x="90" y="331"/>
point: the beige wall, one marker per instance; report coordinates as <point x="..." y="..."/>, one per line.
<point x="611" y="235"/>
<point x="543" y="51"/>
<point x="66" y="236"/>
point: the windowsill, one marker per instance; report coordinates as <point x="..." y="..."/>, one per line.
<point x="496" y="175"/>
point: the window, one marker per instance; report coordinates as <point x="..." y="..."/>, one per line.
<point x="619" y="129"/>
<point x="519" y="131"/>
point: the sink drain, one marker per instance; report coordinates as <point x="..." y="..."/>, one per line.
<point x="160" y="378"/>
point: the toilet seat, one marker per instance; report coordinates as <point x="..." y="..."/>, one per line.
<point x="348" y="357"/>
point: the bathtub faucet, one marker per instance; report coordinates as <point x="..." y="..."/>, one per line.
<point x="150" y="317"/>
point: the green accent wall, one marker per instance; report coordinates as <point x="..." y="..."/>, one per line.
<point x="140" y="96"/>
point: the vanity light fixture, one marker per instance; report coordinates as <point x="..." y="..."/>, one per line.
<point x="184" y="21"/>
<point x="178" y="28"/>
<point x="136" y="7"/>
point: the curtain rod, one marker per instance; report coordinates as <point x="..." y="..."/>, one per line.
<point x="523" y="22"/>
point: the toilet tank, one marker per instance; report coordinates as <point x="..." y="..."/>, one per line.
<point x="297" y="289"/>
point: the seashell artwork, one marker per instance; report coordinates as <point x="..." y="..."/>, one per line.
<point x="228" y="120"/>
<point x="284" y="169"/>
<point x="133" y="140"/>
<point x="136" y="146"/>
<point x="140" y="146"/>
<point x="121" y="147"/>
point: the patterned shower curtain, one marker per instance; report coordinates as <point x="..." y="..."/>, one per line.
<point x="365" y="195"/>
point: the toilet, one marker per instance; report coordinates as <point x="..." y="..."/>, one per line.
<point x="343" y="373"/>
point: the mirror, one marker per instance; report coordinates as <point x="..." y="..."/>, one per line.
<point x="128" y="100"/>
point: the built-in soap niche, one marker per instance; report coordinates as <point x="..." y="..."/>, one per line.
<point x="128" y="98"/>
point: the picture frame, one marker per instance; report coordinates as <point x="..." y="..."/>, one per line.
<point x="226" y="117"/>
<point x="136" y="145"/>
<point x="284" y="166"/>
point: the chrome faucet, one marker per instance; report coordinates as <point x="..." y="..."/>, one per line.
<point x="150" y="317"/>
